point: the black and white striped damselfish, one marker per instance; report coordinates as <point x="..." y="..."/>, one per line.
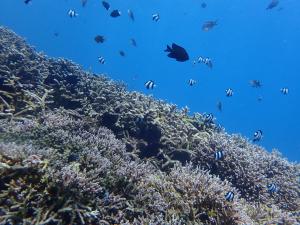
<point x="257" y="135"/>
<point x="101" y="60"/>
<point x="229" y="92"/>
<point x="150" y="84"/>
<point x="219" y="155"/>
<point x="72" y="13"/>
<point x="229" y="196"/>
<point x="155" y="17"/>
<point x="272" y="188"/>
<point x="207" y="61"/>
<point x="209" y="118"/>
<point x="284" y="90"/>
<point x="192" y="82"/>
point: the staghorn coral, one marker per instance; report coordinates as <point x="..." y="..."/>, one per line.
<point x="61" y="166"/>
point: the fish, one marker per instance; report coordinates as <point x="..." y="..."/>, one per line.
<point x="192" y="82"/>
<point x="101" y="60"/>
<point x="27" y="1"/>
<point x="229" y="196"/>
<point x="272" y="188"/>
<point x="229" y="92"/>
<point x="219" y="106"/>
<point x="255" y="83"/>
<point x="72" y="13"/>
<point x="177" y="52"/>
<point x="56" y="34"/>
<point x="150" y="84"/>
<point x="257" y="135"/>
<point x="219" y="155"/>
<point x="83" y="2"/>
<point x="272" y="4"/>
<point x="259" y="98"/>
<point x="122" y="53"/>
<point x="203" y="5"/>
<point x="99" y="39"/>
<point x="130" y="14"/>
<point x="106" y="5"/>
<point x="207" y="61"/>
<point x="209" y="118"/>
<point x="155" y="17"/>
<point x="133" y="42"/>
<point x="115" y="13"/>
<point x="208" y="25"/>
<point x="284" y="90"/>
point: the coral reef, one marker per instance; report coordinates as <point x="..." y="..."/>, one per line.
<point x="78" y="148"/>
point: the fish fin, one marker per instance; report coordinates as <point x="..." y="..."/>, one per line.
<point x="169" y="49"/>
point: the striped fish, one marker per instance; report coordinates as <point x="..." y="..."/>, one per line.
<point x="219" y="155"/>
<point x="101" y="60"/>
<point x="229" y="92"/>
<point x="229" y="196"/>
<point x="155" y="17"/>
<point x="272" y="188"/>
<point x="257" y="135"/>
<point x="192" y="82"/>
<point x="284" y="91"/>
<point x="150" y="84"/>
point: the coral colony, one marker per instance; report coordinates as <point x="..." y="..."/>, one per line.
<point x="78" y="148"/>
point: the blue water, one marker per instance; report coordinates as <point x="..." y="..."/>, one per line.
<point x="248" y="43"/>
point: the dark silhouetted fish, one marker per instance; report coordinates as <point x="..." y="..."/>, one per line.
<point x="122" y="53"/>
<point x="177" y="52"/>
<point x="27" y="1"/>
<point x="99" y="39"/>
<point x="83" y="2"/>
<point x="219" y="106"/>
<point x="106" y="5"/>
<point x="208" y="25"/>
<point x="133" y="42"/>
<point x="203" y="5"/>
<point x="255" y="83"/>
<point x="273" y="4"/>
<point x="115" y="13"/>
<point x="130" y="14"/>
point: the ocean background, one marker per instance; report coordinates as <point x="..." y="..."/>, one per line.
<point x="248" y="43"/>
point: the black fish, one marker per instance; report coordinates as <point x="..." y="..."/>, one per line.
<point x="122" y="53"/>
<point x="208" y="25"/>
<point x="177" y="52"/>
<point x="229" y="196"/>
<point x="130" y="14"/>
<point x="115" y="13"/>
<point x="203" y="5"/>
<point x="106" y="5"/>
<point x="27" y="1"/>
<point x="257" y="135"/>
<point x="83" y="2"/>
<point x="255" y="83"/>
<point x="150" y="84"/>
<point x="133" y="42"/>
<point x="272" y="4"/>
<point x="99" y="39"/>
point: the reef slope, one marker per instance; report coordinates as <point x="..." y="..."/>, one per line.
<point x="78" y="148"/>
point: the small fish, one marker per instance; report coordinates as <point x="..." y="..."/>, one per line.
<point x="203" y="5"/>
<point x="115" y="13"/>
<point x="207" y="61"/>
<point x="209" y="118"/>
<point x="229" y="92"/>
<point x="192" y="82"/>
<point x="255" y="83"/>
<point x="130" y="14"/>
<point x="155" y="17"/>
<point x="72" y="13"/>
<point x="133" y="42"/>
<point x="106" y="5"/>
<point x="101" y="60"/>
<point x="208" y="25"/>
<point x="177" y="52"/>
<point x="219" y="106"/>
<point x="259" y="98"/>
<point x="284" y="90"/>
<point x="83" y="2"/>
<point x="219" y="155"/>
<point x="27" y="1"/>
<point x="229" y="196"/>
<point x="272" y="4"/>
<point x="122" y="53"/>
<point x="99" y="39"/>
<point x="257" y="135"/>
<point x="150" y="84"/>
<point x="56" y="34"/>
<point x="272" y="188"/>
